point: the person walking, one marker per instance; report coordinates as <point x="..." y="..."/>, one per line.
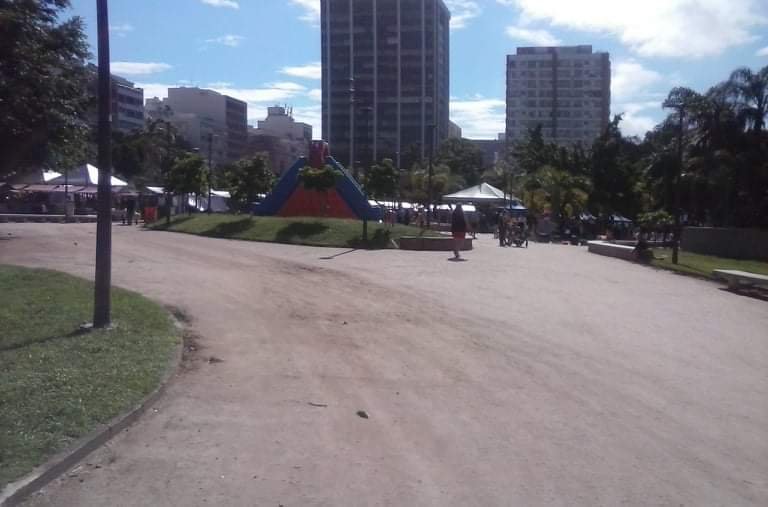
<point x="458" y="229"/>
<point x="502" y="225"/>
<point x="130" y="209"/>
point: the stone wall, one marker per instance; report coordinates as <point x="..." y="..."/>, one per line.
<point x="726" y="242"/>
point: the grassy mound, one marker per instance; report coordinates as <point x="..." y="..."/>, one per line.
<point x="702" y="265"/>
<point x="332" y="232"/>
<point x="56" y="383"/>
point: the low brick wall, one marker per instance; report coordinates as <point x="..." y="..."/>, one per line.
<point x="612" y="250"/>
<point x="437" y="244"/>
<point x="726" y="242"/>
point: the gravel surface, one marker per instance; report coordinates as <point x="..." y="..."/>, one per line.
<point x="546" y="376"/>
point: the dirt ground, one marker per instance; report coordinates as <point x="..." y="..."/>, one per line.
<point x="546" y="376"/>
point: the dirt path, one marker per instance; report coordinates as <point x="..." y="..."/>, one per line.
<point x="539" y="377"/>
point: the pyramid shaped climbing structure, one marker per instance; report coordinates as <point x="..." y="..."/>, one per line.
<point x="290" y="199"/>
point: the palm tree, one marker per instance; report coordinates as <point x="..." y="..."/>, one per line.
<point x="751" y="91"/>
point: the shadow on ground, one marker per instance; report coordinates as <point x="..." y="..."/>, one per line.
<point x="301" y="230"/>
<point x="750" y="292"/>
<point x="229" y="229"/>
<point x="160" y="225"/>
<point x="331" y="257"/>
<point x="381" y="238"/>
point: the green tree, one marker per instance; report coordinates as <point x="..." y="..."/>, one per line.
<point x="751" y="90"/>
<point x="381" y="180"/>
<point x="614" y="170"/>
<point x="462" y="158"/>
<point x="532" y="153"/>
<point x="43" y="86"/>
<point x="563" y="193"/>
<point x="186" y="176"/>
<point x="248" y="178"/>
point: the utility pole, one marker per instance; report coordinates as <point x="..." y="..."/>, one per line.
<point x="679" y="99"/>
<point x="210" y="170"/>
<point x="676" y="233"/>
<point x="367" y="110"/>
<point x="352" y="127"/>
<point x="429" y="174"/>
<point x="102" y="292"/>
<point x="167" y="162"/>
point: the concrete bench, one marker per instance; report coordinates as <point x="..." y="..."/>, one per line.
<point x="612" y="250"/>
<point x="736" y="278"/>
<point x="430" y="243"/>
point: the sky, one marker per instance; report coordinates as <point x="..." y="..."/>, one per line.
<point x="267" y="52"/>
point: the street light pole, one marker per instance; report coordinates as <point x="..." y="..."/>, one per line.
<point x="352" y="127"/>
<point x="676" y="233"/>
<point x="429" y="174"/>
<point x="210" y="170"/>
<point x="103" y="279"/>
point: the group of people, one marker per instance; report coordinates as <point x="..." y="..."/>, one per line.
<point x="405" y="216"/>
<point x="510" y="230"/>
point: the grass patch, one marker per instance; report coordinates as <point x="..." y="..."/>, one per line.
<point x="311" y="231"/>
<point x="703" y="265"/>
<point x="57" y="384"/>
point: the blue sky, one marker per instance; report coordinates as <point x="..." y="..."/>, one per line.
<point x="268" y="51"/>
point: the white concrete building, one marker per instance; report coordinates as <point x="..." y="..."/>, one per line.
<point x="199" y="114"/>
<point x="281" y="137"/>
<point x="566" y="90"/>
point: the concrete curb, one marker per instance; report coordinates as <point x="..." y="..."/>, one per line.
<point x="16" y="492"/>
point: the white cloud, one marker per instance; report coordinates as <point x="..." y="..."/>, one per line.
<point x="121" y="30"/>
<point x="138" y="68"/>
<point x="232" y="4"/>
<point x="311" y="115"/>
<point x="315" y="94"/>
<point x="227" y="40"/>
<point x="152" y="90"/>
<point x="670" y="28"/>
<point x="531" y="36"/>
<point x="762" y="52"/>
<point x="309" y="71"/>
<point x="259" y="99"/>
<point x="479" y="117"/>
<point x="462" y="11"/>
<point x="633" y="123"/>
<point x="287" y="86"/>
<point x="636" y="91"/>
<point x="311" y="10"/>
<point x="215" y="84"/>
<point x="629" y="78"/>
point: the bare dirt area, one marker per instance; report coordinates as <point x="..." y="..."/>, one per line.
<point x="546" y="376"/>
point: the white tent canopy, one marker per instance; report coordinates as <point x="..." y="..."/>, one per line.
<point x="85" y="175"/>
<point x="482" y="193"/>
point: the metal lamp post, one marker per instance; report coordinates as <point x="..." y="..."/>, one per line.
<point x="103" y="279"/>
<point x="429" y="174"/>
<point x="210" y="170"/>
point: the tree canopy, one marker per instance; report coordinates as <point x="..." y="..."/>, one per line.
<point x="723" y="179"/>
<point x="248" y="178"/>
<point x="43" y="86"/>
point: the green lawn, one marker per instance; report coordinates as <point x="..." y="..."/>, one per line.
<point x="56" y="383"/>
<point x="312" y="231"/>
<point x="702" y="265"/>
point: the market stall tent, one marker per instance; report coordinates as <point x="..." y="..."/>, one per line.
<point x="479" y="194"/>
<point x="85" y="175"/>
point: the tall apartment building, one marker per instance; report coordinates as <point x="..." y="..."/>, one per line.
<point x="566" y="90"/>
<point x="199" y="113"/>
<point x="127" y="102"/>
<point x="385" y="77"/>
<point x="281" y="137"/>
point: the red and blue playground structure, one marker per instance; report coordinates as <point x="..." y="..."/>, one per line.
<point x="290" y="199"/>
